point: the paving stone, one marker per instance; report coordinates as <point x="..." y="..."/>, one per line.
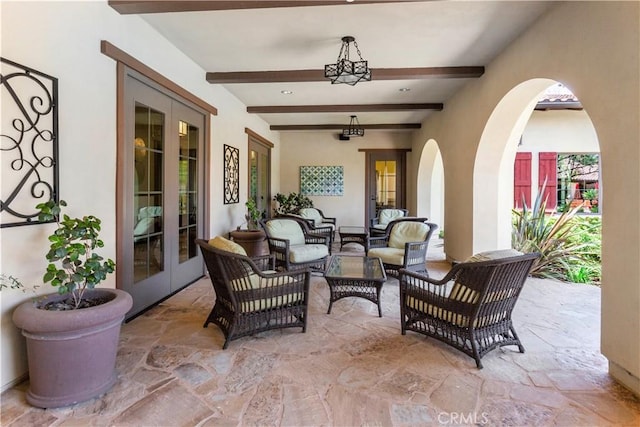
<point x="192" y="373"/>
<point x="162" y="356"/>
<point x="302" y="406"/>
<point x="411" y="415"/>
<point x="457" y="393"/>
<point x="171" y="405"/>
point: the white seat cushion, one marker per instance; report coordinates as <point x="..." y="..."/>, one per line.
<point x="286" y="229"/>
<point x="388" y="255"/>
<point x="406" y="232"/>
<point x="305" y="253"/>
<point x="311" y="213"/>
<point x="385" y="216"/>
<point x="254" y="281"/>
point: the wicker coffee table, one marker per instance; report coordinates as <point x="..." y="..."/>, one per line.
<point x="354" y="276"/>
<point x="351" y="234"/>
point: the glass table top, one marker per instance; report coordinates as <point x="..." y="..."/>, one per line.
<point x="355" y="267"/>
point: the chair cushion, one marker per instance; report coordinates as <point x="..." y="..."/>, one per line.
<point x="286" y="229"/>
<point x="311" y="213"/>
<point x="460" y="292"/>
<point x="305" y="253"/>
<point x="451" y="317"/>
<point x="380" y="227"/>
<point x="144" y="226"/>
<point x="490" y="255"/>
<point x="388" y="255"/>
<point x="385" y="216"/>
<point x="407" y="231"/>
<point x="223" y="244"/>
<point x="256" y="282"/>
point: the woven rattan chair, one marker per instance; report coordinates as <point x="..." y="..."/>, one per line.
<point x="250" y="300"/>
<point x="293" y="246"/>
<point x="474" y="314"/>
<point x="310" y="227"/>
<point x="404" y="245"/>
<point x="379" y="225"/>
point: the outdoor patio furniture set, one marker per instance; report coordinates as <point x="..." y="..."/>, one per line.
<point x="469" y="309"/>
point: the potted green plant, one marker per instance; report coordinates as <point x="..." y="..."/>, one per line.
<point x="291" y="203"/>
<point x="252" y="239"/>
<point x="253" y="215"/>
<point x="72" y="335"/>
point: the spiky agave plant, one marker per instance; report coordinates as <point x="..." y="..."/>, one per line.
<point x="552" y="236"/>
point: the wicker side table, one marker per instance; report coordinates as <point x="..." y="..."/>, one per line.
<point x="354" y="276"/>
<point x="351" y="234"/>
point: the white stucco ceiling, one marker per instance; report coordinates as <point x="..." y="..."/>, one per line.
<point x="390" y="35"/>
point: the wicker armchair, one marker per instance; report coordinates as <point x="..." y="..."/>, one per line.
<point x="380" y="224"/>
<point x="474" y="314"/>
<point x="310" y="227"/>
<point x="293" y="246"/>
<point x="404" y="245"/>
<point x="250" y="300"/>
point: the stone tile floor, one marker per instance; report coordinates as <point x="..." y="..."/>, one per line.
<point x="352" y="368"/>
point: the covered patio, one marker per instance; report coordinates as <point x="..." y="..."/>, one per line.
<point x="353" y="368"/>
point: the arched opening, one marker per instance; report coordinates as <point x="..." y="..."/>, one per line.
<point x="430" y="184"/>
<point x="493" y="167"/>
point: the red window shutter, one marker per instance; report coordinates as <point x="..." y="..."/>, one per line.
<point x="548" y="169"/>
<point x="522" y="179"/>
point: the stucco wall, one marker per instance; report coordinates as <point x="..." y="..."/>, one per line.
<point x="63" y="39"/>
<point x="560" y="131"/>
<point x="324" y="149"/>
<point x="592" y="48"/>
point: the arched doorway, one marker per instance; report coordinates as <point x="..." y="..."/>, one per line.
<point x="493" y="166"/>
<point x="430" y="184"/>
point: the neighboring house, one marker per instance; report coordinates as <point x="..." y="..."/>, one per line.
<point x="558" y="126"/>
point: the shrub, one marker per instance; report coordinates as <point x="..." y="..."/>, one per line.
<point x="292" y="203"/>
<point x="562" y="245"/>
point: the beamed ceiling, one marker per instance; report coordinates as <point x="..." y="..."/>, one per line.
<point x="271" y="54"/>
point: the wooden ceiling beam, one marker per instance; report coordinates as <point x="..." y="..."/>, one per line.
<point x="391" y="126"/>
<point x="295" y="76"/>
<point x="125" y="7"/>
<point x="275" y="109"/>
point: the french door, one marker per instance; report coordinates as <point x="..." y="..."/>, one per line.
<point x="259" y="175"/>
<point x="385" y="181"/>
<point x="163" y="198"/>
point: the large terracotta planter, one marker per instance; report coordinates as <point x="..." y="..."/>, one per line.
<point x="253" y="241"/>
<point x="71" y="354"/>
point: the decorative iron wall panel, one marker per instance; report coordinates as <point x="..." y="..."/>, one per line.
<point x="322" y="180"/>
<point x="28" y="143"/>
<point x="231" y="174"/>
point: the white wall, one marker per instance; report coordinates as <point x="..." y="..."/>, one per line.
<point x="561" y="131"/>
<point x="63" y="39"/>
<point x="324" y="149"/>
<point x="592" y="48"/>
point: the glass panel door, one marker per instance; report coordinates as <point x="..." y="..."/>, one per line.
<point x="386" y="192"/>
<point x="384" y="181"/>
<point x="162" y="178"/>
<point x="259" y="173"/>
<point x="148" y="146"/>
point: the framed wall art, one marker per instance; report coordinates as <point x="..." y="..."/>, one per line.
<point x="322" y="180"/>
<point x="231" y="174"/>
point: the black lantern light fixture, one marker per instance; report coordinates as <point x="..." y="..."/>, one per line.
<point x="354" y="128"/>
<point x="345" y="70"/>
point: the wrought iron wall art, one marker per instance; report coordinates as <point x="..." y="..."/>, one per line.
<point x="322" y="180"/>
<point x="231" y="174"/>
<point x="28" y="143"/>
